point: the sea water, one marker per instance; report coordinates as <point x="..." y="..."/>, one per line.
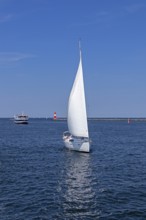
<point x="40" y="179"/>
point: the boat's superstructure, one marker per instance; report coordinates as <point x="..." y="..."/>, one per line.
<point x="21" y="119"/>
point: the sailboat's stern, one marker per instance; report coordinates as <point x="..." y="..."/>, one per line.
<point x="81" y="144"/>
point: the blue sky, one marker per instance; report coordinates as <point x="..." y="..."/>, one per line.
<point x="39" y="56"/>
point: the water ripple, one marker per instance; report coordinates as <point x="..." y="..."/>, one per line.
<point x="40" y="179"/>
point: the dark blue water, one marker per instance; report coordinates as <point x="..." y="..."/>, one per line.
<point x="40" y="179"/>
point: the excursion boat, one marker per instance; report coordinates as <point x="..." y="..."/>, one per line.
<point x="21" y="119"/>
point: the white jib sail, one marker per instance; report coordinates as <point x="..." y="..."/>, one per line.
<point x="77" y="116"/>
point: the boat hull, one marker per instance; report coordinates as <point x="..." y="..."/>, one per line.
<point x="77" y="143"/>
<point x="21" y="122"/>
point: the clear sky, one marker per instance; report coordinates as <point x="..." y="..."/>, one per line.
<point x="39" y="56"/>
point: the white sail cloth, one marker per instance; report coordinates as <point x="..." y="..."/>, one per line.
<point x="77" y="116"/>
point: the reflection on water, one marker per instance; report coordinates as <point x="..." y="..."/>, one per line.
<point x="78" y="196"/>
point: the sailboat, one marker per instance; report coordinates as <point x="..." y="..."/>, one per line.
<point x="77" y="138"/>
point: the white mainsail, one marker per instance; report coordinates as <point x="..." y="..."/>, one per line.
<point x="77" y="116"/>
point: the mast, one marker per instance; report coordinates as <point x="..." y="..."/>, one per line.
<point x="80" y="52"/>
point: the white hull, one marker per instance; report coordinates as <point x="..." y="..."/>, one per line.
<point x="77" y="143"/>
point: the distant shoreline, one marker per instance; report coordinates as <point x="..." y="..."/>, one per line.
<point x="90" y="119"/>
<point x="103" y="119"/>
